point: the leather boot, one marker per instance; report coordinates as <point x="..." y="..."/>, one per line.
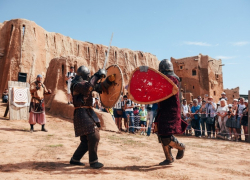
<point x="168" y="154"/>
<point x="175" y="144"/>
<point x="96" y="165"/>
<point x="43" y="128"/>
<point x="31" y="128"/>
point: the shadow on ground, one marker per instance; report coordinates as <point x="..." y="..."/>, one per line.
<point x="65" y="168"/>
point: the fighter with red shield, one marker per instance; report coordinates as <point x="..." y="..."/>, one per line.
<point x="150" y="86"/>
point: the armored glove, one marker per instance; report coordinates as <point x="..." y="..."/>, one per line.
<point x="102" y="73"/>
<point x="109" y="81"/>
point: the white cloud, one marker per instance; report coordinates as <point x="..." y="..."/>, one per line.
<point x="224" y="57"/>
<point x="240" y="43"/>
<point x="197" y="43"/>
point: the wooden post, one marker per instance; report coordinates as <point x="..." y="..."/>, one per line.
<point x="248" y="116"/>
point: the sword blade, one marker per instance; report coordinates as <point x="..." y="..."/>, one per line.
<point x="106" y="58"/>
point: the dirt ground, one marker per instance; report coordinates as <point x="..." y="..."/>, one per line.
<point x="42" y="155"/>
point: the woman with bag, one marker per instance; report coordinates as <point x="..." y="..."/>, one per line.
<point x="210" y="114"/>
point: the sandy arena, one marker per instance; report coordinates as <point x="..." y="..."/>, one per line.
<point x="41" y="155"/>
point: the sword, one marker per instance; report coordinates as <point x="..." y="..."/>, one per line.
<point x="106" y="58"/>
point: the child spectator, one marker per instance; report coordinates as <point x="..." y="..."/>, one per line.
<point x="143" y="119"/>
<point x="188" y="120"/>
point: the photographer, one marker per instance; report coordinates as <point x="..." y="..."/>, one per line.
<point x="231" y="121"/>
<point x="69" y="77"/>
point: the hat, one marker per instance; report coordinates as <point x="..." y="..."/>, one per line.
<point x="199" y="97"/>
<point x="230" y="105"/>
<point x="236" y="100"/>
<point x="246" y="101"/>
<point x="223" y="93"/>
<point x="203" y="100"/>
<point x="218" y="103"/>
<point x="210" y="97"/>
<point x="39" y="76"/>
<point x="72" y="67"/>
<point x="142" y="105"/>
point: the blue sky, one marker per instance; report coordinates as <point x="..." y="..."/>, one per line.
<point x="165" y="28"/>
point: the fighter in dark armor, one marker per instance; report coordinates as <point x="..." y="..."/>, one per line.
<point x="86" y="122"/>
<point x="168" y="118"/>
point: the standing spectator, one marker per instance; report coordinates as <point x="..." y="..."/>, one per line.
<point x="125" y="119"/>
<point x="203" y="111"/>
<point x="217" y="126"/>
<point x="5" y="96"/>
<point x="143" y="119"/>
<point x="210" y="115"/>
<point x="231" y="121"/>
<point x="37" y="105"/>
<point x="195" y="118"/>
<point x="222" y="119"/>
<point x="152" y="111"/>
<point x="199" y="100"/>
<point x="69" y="76"/>
<point x="223" y="96"/>
<point x="129" y="105"/>
<point x="244" y="120"/>
<point x="97" y="104"/>
<point x="118" y="114"/>
<point x="239" y="114"/>
<point x="136" y="110"/>
<point x="190" y="106"/>
<point x="184" y="109"/>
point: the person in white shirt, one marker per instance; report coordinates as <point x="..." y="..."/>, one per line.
<point x="69" y="76"/>
<point x="222" y="119"/>
<point x="184" y="108"/>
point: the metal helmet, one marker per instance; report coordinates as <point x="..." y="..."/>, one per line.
<point x="165" y="65"/>
<point x="83" y="71"/>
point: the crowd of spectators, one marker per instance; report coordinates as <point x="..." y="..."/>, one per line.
<point x="205" y="117"/>
<point x="222" y="120"/>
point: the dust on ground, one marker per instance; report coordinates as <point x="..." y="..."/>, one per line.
<point x="42" y="155"/>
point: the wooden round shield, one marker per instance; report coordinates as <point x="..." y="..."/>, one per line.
<point x="109" y="99"/>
